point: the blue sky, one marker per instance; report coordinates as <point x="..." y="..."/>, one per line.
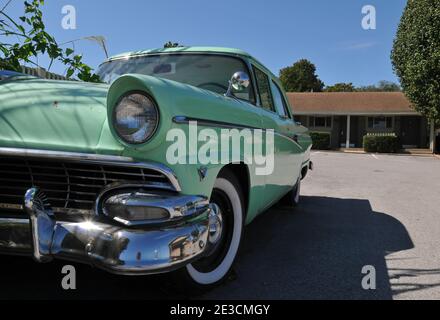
<point x="277" y="32"/>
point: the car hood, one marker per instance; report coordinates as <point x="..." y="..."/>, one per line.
<point x="55" y="115"/>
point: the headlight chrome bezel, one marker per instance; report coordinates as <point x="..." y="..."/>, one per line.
<point x="114" y="123"/>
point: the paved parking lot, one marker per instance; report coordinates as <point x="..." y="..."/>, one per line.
<point x="357" y="210"/>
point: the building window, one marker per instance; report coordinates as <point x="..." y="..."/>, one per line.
<point x="321" y="122"/>
<point x="380" y="122"/>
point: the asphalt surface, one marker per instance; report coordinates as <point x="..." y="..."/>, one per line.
<point x="356" y="210"/>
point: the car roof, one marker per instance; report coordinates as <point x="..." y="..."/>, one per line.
<point x="220" y="50"/>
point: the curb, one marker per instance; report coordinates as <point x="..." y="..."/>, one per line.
<point x="425" y="155"/>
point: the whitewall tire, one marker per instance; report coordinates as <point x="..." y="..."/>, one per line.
<point x="215" y="267"/>
<point x="216" y="275"/>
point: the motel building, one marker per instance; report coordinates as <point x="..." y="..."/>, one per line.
<point x="349" y="116"/>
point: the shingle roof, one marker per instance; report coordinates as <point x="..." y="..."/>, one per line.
<point x="344" y="103"/>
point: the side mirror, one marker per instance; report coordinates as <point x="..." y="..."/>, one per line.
<point x="239" y="81"/>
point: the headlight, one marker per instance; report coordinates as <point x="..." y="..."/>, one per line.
<point x="135" y="118"/>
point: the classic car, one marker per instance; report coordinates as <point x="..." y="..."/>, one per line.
<point x="87" y="172"/>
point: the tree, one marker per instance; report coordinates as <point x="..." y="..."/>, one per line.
<point x="416" y="56"/>
<point x="388" y="86"/>
<point x="301" y="77"/>
<point x="341" y="87"/>
<point x="25" y="40"/>
<point x="382" y="86"/>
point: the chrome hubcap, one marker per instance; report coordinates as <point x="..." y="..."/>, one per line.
<point x="215" y="224"/>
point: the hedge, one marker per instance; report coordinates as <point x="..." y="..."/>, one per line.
<point x="382" y="143"/>
<point x="321" y="140"/>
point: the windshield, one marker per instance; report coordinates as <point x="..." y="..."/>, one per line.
<point x="210" y="72"/>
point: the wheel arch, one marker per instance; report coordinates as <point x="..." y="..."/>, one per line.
<point x="241" y="172"/>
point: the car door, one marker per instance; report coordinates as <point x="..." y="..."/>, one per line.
<point x="291" y="129"/>
<point x="287" y="152"/>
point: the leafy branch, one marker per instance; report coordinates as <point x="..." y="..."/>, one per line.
<point x="28" y="39"/>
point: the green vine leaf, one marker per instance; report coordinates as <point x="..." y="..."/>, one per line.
<point x="33" y="40"/>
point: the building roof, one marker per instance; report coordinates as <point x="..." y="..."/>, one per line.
<point x="353" y="103"/>
<point x="183" y="49"/>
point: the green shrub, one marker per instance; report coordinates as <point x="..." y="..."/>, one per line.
<point x="382" y="143"/>
<point x="321" y="140"/>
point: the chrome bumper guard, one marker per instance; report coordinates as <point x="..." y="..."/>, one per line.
<point x="115" y="248"/>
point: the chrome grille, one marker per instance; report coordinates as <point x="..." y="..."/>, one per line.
<point x="70" y="186"/>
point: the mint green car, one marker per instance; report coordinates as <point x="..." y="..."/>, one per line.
<point x="158" y="170"/>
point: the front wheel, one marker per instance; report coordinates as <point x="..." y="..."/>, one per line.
<point x="224" y="238"/>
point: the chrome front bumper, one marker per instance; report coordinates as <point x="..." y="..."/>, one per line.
<point x="107" y="245"/>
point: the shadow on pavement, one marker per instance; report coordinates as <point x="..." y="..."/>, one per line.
<point x="407" y="285"/>
<point x="316" y="251"/>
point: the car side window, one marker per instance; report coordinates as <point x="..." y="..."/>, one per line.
<point x="264" y="91"/>
<point x="280" y="102"/>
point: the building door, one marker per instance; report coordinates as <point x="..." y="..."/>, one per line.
<point x="354" y="129"/>
<point x="410" y="131"/>
<point x="342" y="131"/>
<point x="354" y="136"/>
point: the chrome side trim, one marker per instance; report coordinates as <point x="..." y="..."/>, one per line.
<point x="227" y="125"/>
<point x="93" y="158"/>
<point x="212" y="123"/>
